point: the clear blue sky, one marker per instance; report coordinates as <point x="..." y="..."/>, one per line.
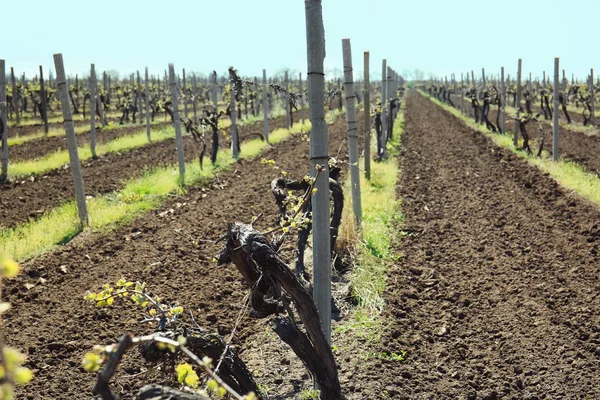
<point x="438" y="36"/>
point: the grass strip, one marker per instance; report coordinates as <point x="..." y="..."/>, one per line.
<point x="381" y="216"/>
<point x="138" y="196"/>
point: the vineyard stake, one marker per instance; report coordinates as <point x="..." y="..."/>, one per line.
<point x="265" y="106"/>
<point x="15" y="98"/>
<point x="233" y="115"/>
<point x="43" y="98"/>
<point x="214" y="92"/>
<point x="147" y="105"/>
<point x="352" y="131"/>
<point x="288" y="120"/>
<point x="383" y="142"/>
<point x="185" y="107"/>
<point x="93" y="89"/>
<point x="63" y="92"/>
<point x="319" y="145"/>
<point x="4" y="133"/>
<point x="593" y="113"/>
<point x="555" y="114"/>
<point x="462" y="94"/>
<point x="301" y="98"/>
<point x="195" y="96"/>
<point x="502" y="100"/>
<point x="177" y="121"/>
<point x="517" y="104"/>
<point x="367" y="117"/>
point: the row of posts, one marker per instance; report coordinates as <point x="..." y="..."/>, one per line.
<point x="557" y="85"/>
<point x="64" y="98"/>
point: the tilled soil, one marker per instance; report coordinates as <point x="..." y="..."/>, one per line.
<point x="25" y="130"/>
<point x="574" y="146"/>
<point x="496" y="295"/>
<point x="37" y="148"/>
<point x="173" y="252"/>
<point x="31" y="197"/>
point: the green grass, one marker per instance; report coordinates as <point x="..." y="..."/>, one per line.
<point x="568" y="174"/>
<point x="373" y="252"/>
<point x="107" y="211"/>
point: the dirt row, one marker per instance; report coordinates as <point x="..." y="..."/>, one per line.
<point x="30" y="198"/>
<point x="51" y="322"/>
<point x="38" y="148"/>
<point x="495" y="295"/>
<point x="575" y="146"/>
<point x="579" y="147"/>
<point x="25" y="130"/>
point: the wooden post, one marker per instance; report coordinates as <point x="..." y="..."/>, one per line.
<point x="234" y="133"/>
<point x="265" y="106"/>
<point x="147" y="105"/>
<point x="468" y="104"/>
<point x="4" y="133"/>
<point x="544" y="80"/>
<point x="215" y="99"/>
<point x="288" y="120"/>
<point x="352" y="131"/>
<point x="43" y="98"/>
<point x="301" y="98"/>
<point x="502" y="100"/>
<point x="593" y="97"/>
<point x="474" y="84"/>
<point x="384" y="127"/>
<point x="15" y="97"/>
<point x="555" y="114"/>
<point x="139" y="88"/>
<point x="195" y="97"/>
<point x="462" y="93"/>
<point x="367" y="116"/>
<point x="93" y="90"/>
<point x="483" y="79"/>
<point x="109" y="88"/>
<point x="319" y="156"/>
<point x="177" y="121"/>
<point x="63" y="92"/>
<point x="184" y="91"/>
<point x="100" y="105"/>
<point x="517" y="104"/>
<point x="133" y="93"/>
